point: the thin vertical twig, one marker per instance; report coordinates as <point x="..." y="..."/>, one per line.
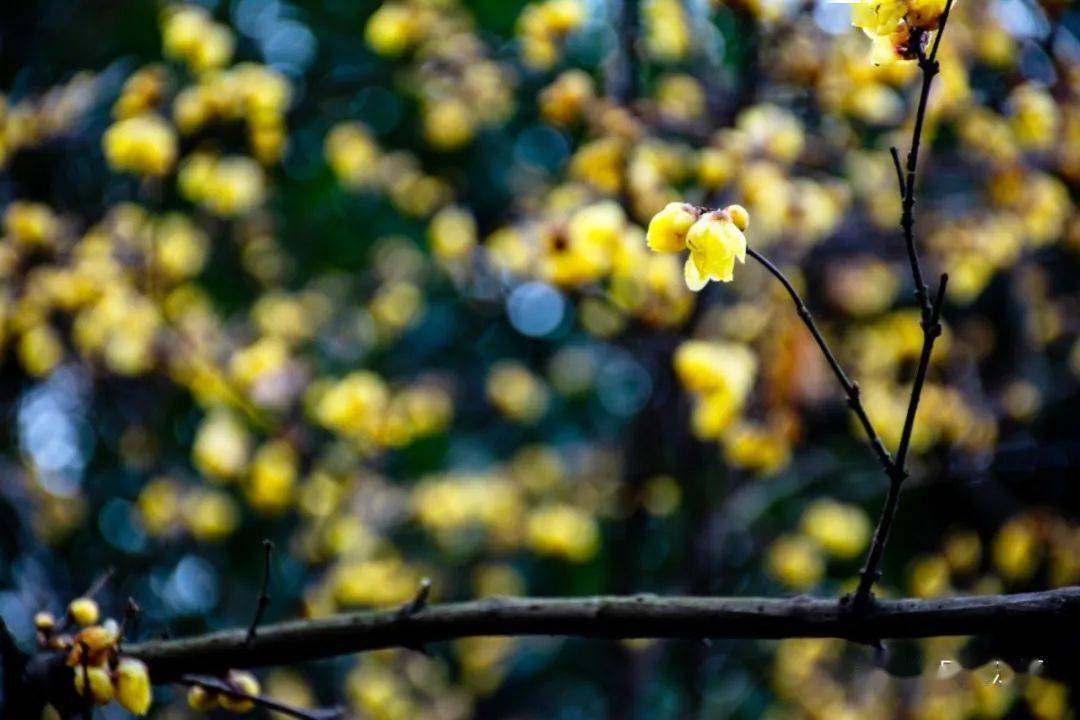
<point x="870" y="572"/>
<point x="264" y="593"/>
<point x="850" y="387"/>
<point x="930" y="310"/>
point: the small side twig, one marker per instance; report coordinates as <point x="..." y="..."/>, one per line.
<point x="264" y="593"/>
<point x="222" y="687"/>
<point x="129" y="623"/>
<point x="419" y="601"/>
<point x="851" y="389"/>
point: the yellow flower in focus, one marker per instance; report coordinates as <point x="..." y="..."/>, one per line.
<point x="841" y="530"/>
<point x="715" y="243"/>
<point x="516" y="392"/>
<point x="133" y="689"/>
<point x="895" y="26"/>
<point x="144" y="145"/>
<point x="796" y="561"/>
<point x="668" y="228"/>
<point x="221" y="446"/>
<point x="563" y="531"/>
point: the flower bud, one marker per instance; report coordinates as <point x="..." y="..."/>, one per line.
<point x="739" y="216"/>
<point x="199" y="698"/>
<point x="133" y="686"/>
<point x="101" y="689"/>
<point x="84" y="611"/>
<point x="668" y="228"/>
<point x="244" y="682"/>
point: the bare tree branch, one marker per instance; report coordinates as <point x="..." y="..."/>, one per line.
<point x="638" y="616"/>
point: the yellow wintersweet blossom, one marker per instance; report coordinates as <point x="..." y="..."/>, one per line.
<point x="188" y="33"/>
<point x="564" y="531"/>
<point x="842" y="530"/>
<point x="896" y="26"/>
<point x="668" y="228"/>
<point x="271" y="486"/>
<point x="221" y="446"/>
<point x="144" y="145"/>
<point x="100" y="685"/>
<point x="392" y="29"/>
<point x="796" y="561"/>
<point x="715" y="240"/>
<point x="244" y="682"/>
<point x="31" y="224"/>
<point x="133" y="690"/>
<point x="706" y="367"/>
<point x="516" y="392"/>
<point x="227" y="186"/>
<point x="720" y="375"/>
<point x="452" y="233"/>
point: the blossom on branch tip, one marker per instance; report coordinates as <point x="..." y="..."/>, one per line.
<point x="715" y="240"/>
<point x="898" y="27"/>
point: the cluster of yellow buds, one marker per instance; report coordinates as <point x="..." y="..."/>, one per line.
<point x="542" y="27"/>
<point x="144" y="145"/>
<point x="256" y="94"/>
<point x="720" y="375"/>
<point x="361" y="407"/>
<point x="32" y="121"/>
<point x="244" y="684"/>
<point x="101" y="673"/>
<point x="828" y="529"/>
<point x="668" y="33"/>
<point x="189" y="34"/>
<point x="715" y="240"/>
<point x="226" y="186"/>
<point x="898" y="27"/>
<point x="360" y="164"/>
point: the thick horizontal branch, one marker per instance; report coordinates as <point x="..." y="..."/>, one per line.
<point x="638" y="616"/>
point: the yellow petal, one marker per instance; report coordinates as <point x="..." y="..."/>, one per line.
<point x="694" y="279"/>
